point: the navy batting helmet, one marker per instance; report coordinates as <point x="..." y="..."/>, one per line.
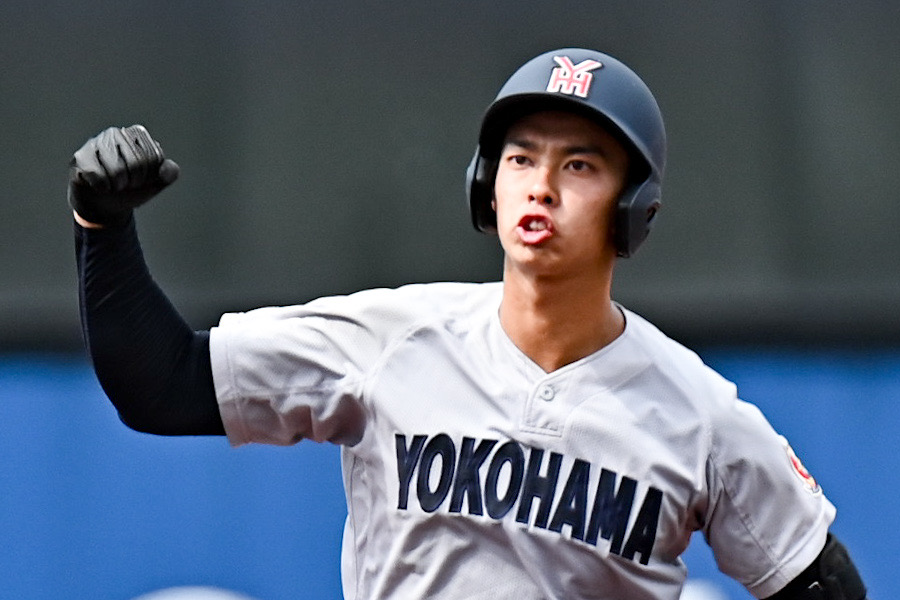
<point x="596" y="86"/>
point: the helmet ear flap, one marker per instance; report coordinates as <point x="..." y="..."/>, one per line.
<point x="480" y="190"/>
<point x="637" y="208"/>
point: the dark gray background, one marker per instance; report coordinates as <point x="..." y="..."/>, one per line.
<point x="323" y="148"/>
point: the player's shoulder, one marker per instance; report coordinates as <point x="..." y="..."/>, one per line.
<point x="676" y="364"/>
<point x="406" y="303"/>
<point x="417" y="301"/>
<point x="665" y="350"/>
<point x="436" y="294"/>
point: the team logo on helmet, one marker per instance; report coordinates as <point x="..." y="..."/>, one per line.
<point x="569" y="78"/>
<point x="799" y="469"/>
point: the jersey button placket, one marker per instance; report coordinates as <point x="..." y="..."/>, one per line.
<point x="542" y="414"/>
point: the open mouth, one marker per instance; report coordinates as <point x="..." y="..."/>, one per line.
<point x="536" y="225"/>
<point x="534" y="229"/>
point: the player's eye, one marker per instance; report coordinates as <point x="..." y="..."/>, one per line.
<point x="579" y="165"/>
<point x="518" y="159"/>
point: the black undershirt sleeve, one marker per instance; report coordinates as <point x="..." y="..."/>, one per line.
<point x="153" y="367"/>
<point x="831" y="576"/>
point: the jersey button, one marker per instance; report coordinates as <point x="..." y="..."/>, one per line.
<point x="547" y="393"/>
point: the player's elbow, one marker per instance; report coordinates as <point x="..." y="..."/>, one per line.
<point x="142" y="421"/>
<point x="178" y="412"/>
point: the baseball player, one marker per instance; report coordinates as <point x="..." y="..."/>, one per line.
<point x="529" y="438"/>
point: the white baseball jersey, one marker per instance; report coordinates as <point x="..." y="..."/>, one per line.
<point x="472" y="473"/>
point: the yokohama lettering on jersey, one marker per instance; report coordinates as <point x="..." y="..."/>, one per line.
<point x="531" y="486"/>
<point x="471" y="473"/>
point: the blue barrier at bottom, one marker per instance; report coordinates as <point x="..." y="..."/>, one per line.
<point x="93" y="510"/>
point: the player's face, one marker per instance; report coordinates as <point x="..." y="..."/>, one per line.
<point x="555" y="194"/>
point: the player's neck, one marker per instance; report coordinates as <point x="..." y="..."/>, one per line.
<point x="557" y="322"/>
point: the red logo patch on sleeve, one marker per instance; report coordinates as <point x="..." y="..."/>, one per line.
<point x="800" y="470"/>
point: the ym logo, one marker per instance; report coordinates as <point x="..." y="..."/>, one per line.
<point x="569" y="78"/>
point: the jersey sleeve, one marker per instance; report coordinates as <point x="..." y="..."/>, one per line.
<point x="283" y="374"/>
<point x="767" y="518"/>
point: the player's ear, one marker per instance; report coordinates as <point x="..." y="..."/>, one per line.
<point x="494" y="204"/>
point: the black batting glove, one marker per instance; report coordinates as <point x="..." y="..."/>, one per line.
<point x="115" y="172"/>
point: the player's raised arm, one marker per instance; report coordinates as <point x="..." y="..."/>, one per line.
<point x="152" y="365"/>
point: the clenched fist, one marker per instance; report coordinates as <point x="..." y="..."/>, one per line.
<point x="115" y="172"/>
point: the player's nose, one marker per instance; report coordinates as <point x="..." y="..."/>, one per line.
<point x="543" y="188"/>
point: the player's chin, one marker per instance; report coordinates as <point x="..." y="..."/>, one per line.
<point x="533" y="259"/>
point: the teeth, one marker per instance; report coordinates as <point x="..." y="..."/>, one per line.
<point x="537" y="226"/>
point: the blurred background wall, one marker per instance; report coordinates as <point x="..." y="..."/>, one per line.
<point x="323" y="147"/>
